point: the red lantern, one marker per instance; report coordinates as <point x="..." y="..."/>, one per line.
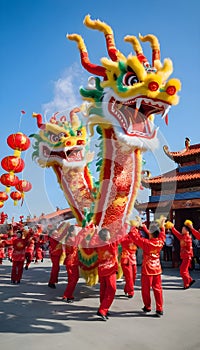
<point x="9" y="180"/>
<point x="23" y="186"/>
<point x="16" y="196"/>
<point x="19" y="142"/>
<point x="1" y="204"/>
<point x="3" y="196"/>
<point x="13" y="163"/>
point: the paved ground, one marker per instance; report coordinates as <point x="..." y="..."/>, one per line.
<point x="33" y="316"/>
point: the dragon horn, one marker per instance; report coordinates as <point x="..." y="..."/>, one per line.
<point x="39" y="120"/>
<point x="137" y="47"/>
<point x="90" y="67"/>
<point x="73" y="112"/>
<point x="74" y="118"/>
<point x="114" y="54"/>
<point x="154" y="45"/>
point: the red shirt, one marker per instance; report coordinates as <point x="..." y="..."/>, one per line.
<point x="107" y="259"/>
<point x="107" y="252"/>
<point x="107" y="255"/>
<point x="128" y="255"/>
<point x="55" y="247"/>
<point x="196" y="233"/>
<point x="151" y="251"/>
<point x="186" y="250"/>
<point x="72" y="246"/>
<point x="2" y="246"/>
<point x="30" y="245"/>
<point x="71" y="252"/>
<point x="19" y="245"/>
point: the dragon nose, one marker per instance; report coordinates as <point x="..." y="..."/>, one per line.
<point x="153" y="86"/>
<point x="171" y="90"/>
<point x="68" y="143"/>
<point x="80" y="142"/>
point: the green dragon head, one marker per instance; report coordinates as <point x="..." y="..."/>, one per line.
<point x="61" y="142"/>
<point x="131" y="91"/>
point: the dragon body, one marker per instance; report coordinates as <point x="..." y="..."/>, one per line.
<point x="63" y="145"/>
<point x="123" y="103"/>
<point x="122" y="97"/>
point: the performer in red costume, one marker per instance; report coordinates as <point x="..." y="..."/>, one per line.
<point x="151" y="267"/>
<point x="29" y="250"/>
<point x="186" y="254"/>
<point x="195" y="233"/>
<point x="107" y="267"/>
<point x="9" y="244"/>
<point x="55" y="251"/>
<point x="18" y="256"/>
<point x="72" y="241"/>
<point x="2" y="250"/>
<point x="39" y="253"/>
<point x="39" y="242"/>
<point x="129" y="264"/>
<point x="128" y="260"/>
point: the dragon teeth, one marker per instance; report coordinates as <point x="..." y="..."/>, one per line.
<point x="138" y="103"/>
<point x="165" y="112"/>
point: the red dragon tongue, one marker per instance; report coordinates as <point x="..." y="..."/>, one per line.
<point x="135" y="114"/>
<point x="135" y="125"/>
<point x="74" y="155"/>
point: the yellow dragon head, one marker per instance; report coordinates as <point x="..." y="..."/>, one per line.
<point x="131" y="90"/>
<point x="61" y="142"/>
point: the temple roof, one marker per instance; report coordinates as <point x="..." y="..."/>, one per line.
<point x="183" y="177"/>
<point x="65" y="213"/>
<point x="189" y="153"/>
<point x="167" y="204"/>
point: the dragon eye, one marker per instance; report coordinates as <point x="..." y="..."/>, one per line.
<point x="130" y="78"/>
<point x="62" y="134"/>
<point x="54" y="138"/>
<point x="79" y="133"/>
<point x="146" y="65"/>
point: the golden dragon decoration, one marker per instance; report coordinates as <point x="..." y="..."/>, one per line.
<point x="121" y="99"/>
<point x="123" y="96"/>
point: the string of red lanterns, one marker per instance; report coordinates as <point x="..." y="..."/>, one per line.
<point x="19" y="142"/>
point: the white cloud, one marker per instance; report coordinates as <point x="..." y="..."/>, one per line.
<point x="65" y="93"/>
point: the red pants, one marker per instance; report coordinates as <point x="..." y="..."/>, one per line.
<point x="107" y="292"/>
<point x="17" y="270"/>
<point x="9" y="252"/>
<point x="155" y="282"/>
<point x="28" y="257"/>
<point x="73" y="276"/>
<point x="39" y="254"/>
<point x="184" y="271"/>
<point x="129" y="272"/>
<point x="54" y="269"/>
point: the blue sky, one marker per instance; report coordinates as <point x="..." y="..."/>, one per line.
<point x="40" y="72"/>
